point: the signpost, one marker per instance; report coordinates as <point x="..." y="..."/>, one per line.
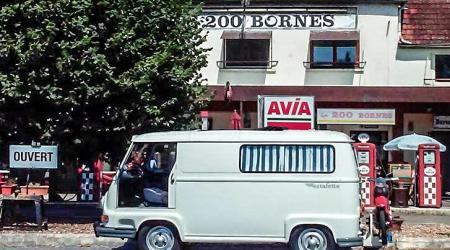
<point x="291" y="112"/>
<point x="30" y="157"/>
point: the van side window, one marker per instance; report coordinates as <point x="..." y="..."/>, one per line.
<point x="287" y="158"/>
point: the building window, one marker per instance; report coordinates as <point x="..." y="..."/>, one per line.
<point x="334" y="54"/>
<point x="247" y="53"/>
<point x="287" y="159"/>
<point x="247" y="49"/>
<point x="334" y="49"/>
<point x="442" y="67"/>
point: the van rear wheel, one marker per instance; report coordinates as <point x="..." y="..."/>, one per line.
<point x="158" y="238"/>
<point x="312" y="238"/>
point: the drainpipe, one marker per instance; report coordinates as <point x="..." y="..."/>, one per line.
<point x="244" y="3"/>
<point x="400" y="18"/>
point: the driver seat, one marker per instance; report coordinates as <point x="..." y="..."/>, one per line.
<point x="155" y="196"/>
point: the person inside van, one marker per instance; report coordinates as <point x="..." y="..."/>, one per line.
<point x="154" y="193"/>
<point x="130" y="190"/>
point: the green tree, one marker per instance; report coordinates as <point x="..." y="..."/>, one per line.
<point x="74" y="70"/>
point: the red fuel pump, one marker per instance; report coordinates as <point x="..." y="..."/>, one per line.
<point x="429" y="182"/>
<point x="366" y="156"/>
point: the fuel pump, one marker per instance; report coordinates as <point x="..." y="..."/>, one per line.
<point x="366" y="156"/>
<point x="429" y="176"/>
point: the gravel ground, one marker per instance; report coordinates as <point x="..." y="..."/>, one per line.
<point x="56" y="228"/>
<point x="436" y="231"/>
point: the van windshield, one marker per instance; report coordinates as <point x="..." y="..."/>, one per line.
<point x="153" y="155"/>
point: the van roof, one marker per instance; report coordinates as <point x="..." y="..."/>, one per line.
<point x="244" y="136"/>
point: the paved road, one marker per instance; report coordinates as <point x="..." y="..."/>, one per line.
<point x="409" y="219"/>
<point x="132" y="246"/>
<point x="426" y="219"/>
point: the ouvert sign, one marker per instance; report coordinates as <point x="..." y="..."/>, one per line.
<point x="26" y="156"/>
<point x="278" y="20"/>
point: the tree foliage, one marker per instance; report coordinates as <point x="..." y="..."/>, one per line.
<point x="74" y="69"/>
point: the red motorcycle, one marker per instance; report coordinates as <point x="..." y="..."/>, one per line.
<point x="382" y="211"/>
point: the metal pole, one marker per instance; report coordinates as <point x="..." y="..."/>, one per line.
<point x="28" y="181"/>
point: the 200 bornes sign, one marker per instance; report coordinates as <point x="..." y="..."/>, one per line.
<point x="278" y="21"/>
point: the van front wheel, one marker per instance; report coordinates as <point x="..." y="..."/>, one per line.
<point x="312" y="238"/>
<point x="157" y="238"/>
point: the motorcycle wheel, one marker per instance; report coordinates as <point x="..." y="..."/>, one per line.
<point x="383" y="228"/>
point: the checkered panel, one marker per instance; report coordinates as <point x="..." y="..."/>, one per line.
<point x="87" y="186"/>
<point x="429" y="191"/>
<point x="365" y="192"/>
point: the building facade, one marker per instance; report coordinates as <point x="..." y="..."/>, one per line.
<point x="378" y="67"/>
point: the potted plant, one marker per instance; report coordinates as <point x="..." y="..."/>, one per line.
<point x="34" y="189"/>
<point x="9" y="187"/>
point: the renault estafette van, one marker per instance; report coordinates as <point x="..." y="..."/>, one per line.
<point x="296" y="187"/>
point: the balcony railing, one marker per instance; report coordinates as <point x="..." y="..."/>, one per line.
<point x="334" y="65"/>
<point x="246" y="64"/>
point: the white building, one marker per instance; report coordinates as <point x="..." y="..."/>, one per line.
<point x="384" y="63"/>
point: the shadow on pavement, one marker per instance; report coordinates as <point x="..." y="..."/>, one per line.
<point x="131" y="245"/>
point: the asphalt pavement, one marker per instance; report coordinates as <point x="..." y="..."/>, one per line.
<point x="132" y="246"/>
<point x="426" y="219"/>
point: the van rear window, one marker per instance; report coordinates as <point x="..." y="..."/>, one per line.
<point x="287" y="158"/>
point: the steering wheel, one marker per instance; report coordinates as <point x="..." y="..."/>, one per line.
<point x="135" y="172"/>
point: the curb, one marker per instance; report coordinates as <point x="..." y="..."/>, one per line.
<point x="422" y="211"/>
<point x="56" y="240"/>
<point x="422" y="243"/>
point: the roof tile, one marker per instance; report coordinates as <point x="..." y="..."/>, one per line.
<point x="427" y="22"/>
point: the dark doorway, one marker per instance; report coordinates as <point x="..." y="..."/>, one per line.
<point x="444" y="138"/>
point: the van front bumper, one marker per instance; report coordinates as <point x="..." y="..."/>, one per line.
<point x="102" y="231"/>
<point x="350" y="242"/>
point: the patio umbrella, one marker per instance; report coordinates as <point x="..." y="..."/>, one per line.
<point x="411" y="142"/>
<point x="235" y="121"/>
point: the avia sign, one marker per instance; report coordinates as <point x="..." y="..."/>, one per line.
<point x="292" y="112"/>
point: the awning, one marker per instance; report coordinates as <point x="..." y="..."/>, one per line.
<point x="373" y="94"/>
<point x="334" y="35"/>
<point x="246" y="35"/>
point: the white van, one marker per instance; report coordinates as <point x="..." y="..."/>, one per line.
<point x="296" y="187"/>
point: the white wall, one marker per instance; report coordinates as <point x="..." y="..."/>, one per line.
<point x="421" y="124"/>
<point x="379" y="32"/>
<point x="414" y="66"/>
